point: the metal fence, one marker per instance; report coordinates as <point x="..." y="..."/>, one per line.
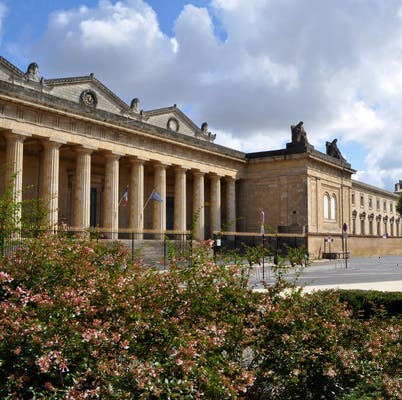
<point x="160" y="248"/>
<point x="154" y="247"/>
<point x="275" y="244"/>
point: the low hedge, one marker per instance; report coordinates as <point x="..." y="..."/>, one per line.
<point x="368" y="303"/>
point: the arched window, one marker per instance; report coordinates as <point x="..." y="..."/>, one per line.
<point x="330" y="206"/>
<point x="332" y="213"/>
<point x="326" y="206"/>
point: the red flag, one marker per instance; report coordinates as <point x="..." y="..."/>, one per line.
<point x="124" y="197"/>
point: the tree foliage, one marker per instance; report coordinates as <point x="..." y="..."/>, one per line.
<point x="399" y="205"/>
<point x="26" y="217"/>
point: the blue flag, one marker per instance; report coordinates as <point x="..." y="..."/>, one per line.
<point x="155" y="196"/>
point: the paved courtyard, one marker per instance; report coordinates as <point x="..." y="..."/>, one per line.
<point x="371" y="273"/>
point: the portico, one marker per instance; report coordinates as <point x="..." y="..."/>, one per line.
<point x="81" y="185"/>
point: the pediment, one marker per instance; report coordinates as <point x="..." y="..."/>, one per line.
<point x="88" y="91"/>
<point x="173" y="119"/>
<point x="9" y="72"/>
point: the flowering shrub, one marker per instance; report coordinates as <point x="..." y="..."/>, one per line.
<point x="81" y="321"/>
<point x="77" y="320"/>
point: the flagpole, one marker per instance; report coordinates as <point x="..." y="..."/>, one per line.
<point x="162" y="204"/>
<point x="149" y="198"/>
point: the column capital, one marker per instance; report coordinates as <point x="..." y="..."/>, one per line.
<point x="16" y="136"/>
<point x="138" y="160"/>
<point x="84" y="150"/>
<point x="52" y="143"/>
<point x="179" y="168"/>
<point x="113" y="156"/>
<point x="159" y="164"/>
<point x="230" y="178"/>
<point x="197" y="172"/>
<point x="86" y="147"/>
<point x="215" y="176"/>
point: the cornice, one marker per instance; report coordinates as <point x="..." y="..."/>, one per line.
<point x="52" y="104"/>
<point x="365" y="186"/>
<point x="12" y="67"/>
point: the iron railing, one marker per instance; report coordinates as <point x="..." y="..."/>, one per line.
<point x="162" y="248"/>
<point x="274" y="244"/>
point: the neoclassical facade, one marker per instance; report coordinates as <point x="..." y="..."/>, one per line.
<point x="374" y="211"/>
<point x="77" y="146"/>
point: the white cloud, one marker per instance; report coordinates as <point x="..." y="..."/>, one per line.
<point x="335" y="65"/>
<point x="3" y="14"/>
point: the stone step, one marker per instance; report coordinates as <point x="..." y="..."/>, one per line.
<point x="153" y="251"/>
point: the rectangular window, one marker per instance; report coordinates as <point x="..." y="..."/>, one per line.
<point x="370" y="202"/>
<point x="353" y="199"/>
<point x="361" y="200"/>
<point x="385" y="206"/>
<point x="391" y="207"/>
<point x="378" y="205"/>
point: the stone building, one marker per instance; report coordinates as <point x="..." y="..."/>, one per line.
<point x="374" y="211"/>
<point x="76" y="145"/>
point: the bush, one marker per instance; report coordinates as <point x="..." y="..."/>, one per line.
<point x="367" y="303"/>
<point x="79" y="320"/>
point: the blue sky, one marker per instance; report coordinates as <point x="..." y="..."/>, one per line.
<point x="249" y="68"/>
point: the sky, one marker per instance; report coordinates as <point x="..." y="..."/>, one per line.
<point x="250" y="68"/>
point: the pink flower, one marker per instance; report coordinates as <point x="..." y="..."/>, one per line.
<point x="4" y="277"/>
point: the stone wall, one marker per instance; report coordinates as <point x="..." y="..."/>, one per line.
<point x="279" y="188"/>
<point x="357" y="246"/>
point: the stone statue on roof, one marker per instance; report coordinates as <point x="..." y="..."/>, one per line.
<point x="135" y="105"/>
<point x="333" y="151"/>
<point x="32" y="73"/>
<point x="205" y="133"/>
<point x="299" y="135"/>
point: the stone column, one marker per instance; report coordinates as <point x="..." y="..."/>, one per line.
<point x="231" y="203"/>
<point x="198" y="204"/>
<point x="159" y="208"/>
<point x="50" y="182"/>
<point x="14" y="167"/>
<point x="82" y="190"/>
<point x="111" y="196"/>
<point x="180" y="201"/>
<point x="136" y="197"/>
<point x="215" y="203"/>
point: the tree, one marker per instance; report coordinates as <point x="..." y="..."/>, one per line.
<point x="16" y="217"/>
<point x="399" y="205"/>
